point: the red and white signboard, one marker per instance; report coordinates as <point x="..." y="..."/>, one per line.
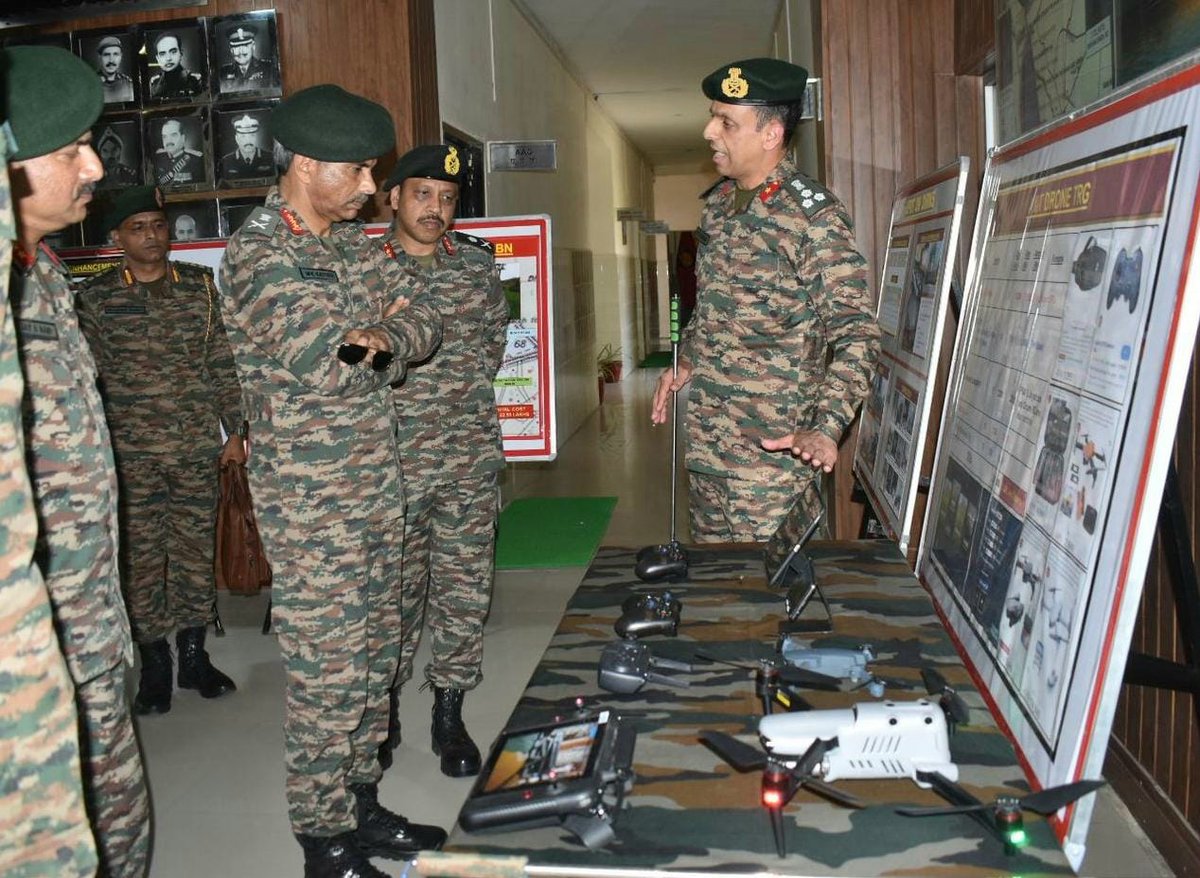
<point x="1079" y="318"/>
<point x="525" y="401"/>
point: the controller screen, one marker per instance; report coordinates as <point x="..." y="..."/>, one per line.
<point x="543" y="756"/>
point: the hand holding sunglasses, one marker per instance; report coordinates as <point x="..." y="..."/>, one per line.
<point x="353" y="354"/>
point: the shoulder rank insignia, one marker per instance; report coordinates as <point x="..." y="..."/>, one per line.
<point x="261" y="222"/>
<point x="812" y="196"/>
<point x="481" y="243"/>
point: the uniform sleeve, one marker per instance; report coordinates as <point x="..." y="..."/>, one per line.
<point x="221" y="369"/>
<point x="299" y="323"/>
<point x="846" y="308"/>
<point x="87" y="309"/>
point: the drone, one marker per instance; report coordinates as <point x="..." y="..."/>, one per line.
<point x="776" y="683"/>
<point x="838" y="662"/>
<point x="871" y="740"/>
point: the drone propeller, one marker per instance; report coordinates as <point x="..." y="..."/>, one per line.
<point x="782" y="671"/>
<point x="1044" y="802"/>
<point x="740" y="755"/>
<point x="951" y="702"/>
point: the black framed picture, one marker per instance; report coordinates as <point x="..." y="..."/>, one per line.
<point x="192" y="220"/>
<point x="243" y="145"/>
<point x="94" y="233"/>
<point x="234" y="212"/>
<point x="178" y="149"/>
<point x="174" y="57"/>
<point x="65" y="239"/>
<point x="117" y="139"/>
<point x="245" y="56"/>
<point x="113" y="54"/>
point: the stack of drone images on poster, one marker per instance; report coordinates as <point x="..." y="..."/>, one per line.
<point x="187" y="106"/>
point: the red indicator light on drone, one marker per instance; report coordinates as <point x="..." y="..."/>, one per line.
<point x="772" y="798"/>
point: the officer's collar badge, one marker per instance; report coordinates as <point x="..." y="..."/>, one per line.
<point x="452" y="163"/>
<point x="734" y="85"/>
<point x="293" y="223"/>
<point x="448" y="244"/>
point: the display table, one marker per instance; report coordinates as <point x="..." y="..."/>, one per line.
<point x="688" y="810"/>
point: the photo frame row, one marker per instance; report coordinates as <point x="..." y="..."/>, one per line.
<point x="181" y="61"/>
<point x="195" y="219"/>
<point x="187" y="149"/>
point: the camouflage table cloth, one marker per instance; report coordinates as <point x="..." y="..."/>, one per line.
<point x="689" y="811"/>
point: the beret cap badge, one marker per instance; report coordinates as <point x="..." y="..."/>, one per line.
<point x="452" y="164"/>
<point x="734" y="86"/>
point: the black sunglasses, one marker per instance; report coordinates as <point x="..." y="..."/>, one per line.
<point x="353" y="354"/>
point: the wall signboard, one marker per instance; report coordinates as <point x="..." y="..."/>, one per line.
<point x="524" y="386"/>
<point x="1075" y="342"/>
<point x="914" y="291"/>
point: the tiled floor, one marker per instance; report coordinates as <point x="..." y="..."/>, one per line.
<point x="216" y="768"/>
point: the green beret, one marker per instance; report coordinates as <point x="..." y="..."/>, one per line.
<point x="52" y="97"/>
<point x="134" y="200"/>
<point x="329" y="124"/>
<point x="438" y="162"/>
<point x="756" y="81"/>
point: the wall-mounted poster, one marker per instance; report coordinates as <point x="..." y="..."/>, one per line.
<point x="113" y="53"/>
<point x="118" y="141"/>
<point x="178" y="150"/>
<point x="913" y="295"/>
<point x="174" y="58"/>
<point x="245" y="56"/>
<point x="192" y="220"/>
<point x="243" y="145"/>
<point x="1079" y="319"/>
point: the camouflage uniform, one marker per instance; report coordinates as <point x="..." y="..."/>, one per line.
<point x="325" y="477"/>
<point x="451" y="451"/>
<point x="75" y="486"/>
<point x="781" y="288"/>
<point x="168" y="376"/>
<point x="43" y="825"/>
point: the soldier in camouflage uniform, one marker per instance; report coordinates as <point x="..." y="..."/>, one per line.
<point x="67" y="441"/>
<point x="308" y="306"/>
<point x="449" y="444"/>
<point x="168" y="379"/>
<point x="43" y="824"/>
<point x="783" y="340"/>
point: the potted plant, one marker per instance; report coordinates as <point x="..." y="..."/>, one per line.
<point x="608" y="364"/>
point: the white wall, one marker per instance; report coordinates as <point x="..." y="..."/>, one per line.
<point x="498" y="80"/>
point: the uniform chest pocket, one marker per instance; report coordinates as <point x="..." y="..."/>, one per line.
<point x="125" y="326"/>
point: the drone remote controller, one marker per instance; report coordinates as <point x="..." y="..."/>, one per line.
<point x="649" y="613"/>
<point x="625" y="666"/>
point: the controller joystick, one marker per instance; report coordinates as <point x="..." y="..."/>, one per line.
<point x="649" y="613"/>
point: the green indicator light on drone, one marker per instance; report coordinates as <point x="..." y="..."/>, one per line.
<point x="1018" y="838"/>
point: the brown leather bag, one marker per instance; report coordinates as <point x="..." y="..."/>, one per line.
<point x="241" y="564"/>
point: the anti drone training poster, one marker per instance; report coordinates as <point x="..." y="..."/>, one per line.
<point x="1079" y="316"/>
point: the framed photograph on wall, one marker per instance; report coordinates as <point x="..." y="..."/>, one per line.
<point x="113" y="54"/>
<point x="234" y="212"/>
<point x="178" y="149"/>
<point x="192" y="220"/>
<point x="243" y="145"/>
<point x="117" y="139"/>
<point x="174" y="56"/>
<point x="245" y="56"/>
<point x="92" y="228"/>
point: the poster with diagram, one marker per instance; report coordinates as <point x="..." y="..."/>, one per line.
<point x="1074" y="346"/>
<point x="524" y="387"/>
<point x="913" y="295"/>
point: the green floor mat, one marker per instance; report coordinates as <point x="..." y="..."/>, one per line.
<point x="551" y="531"/>
<point x="657" y="360"/>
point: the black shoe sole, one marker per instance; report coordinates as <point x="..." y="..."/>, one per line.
<point x="150" y="709"/>
<point x="461" y="769"/>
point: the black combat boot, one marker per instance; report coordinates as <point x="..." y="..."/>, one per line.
<point x="154" y="687"/>
<point x="195" y="669"/>
<point x="460" y="756"/>
<point x="337" y="856"/>
<point x="393" y="735"/>
<point x="382" y="833"/>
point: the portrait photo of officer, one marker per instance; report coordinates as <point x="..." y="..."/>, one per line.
<point x="191" y="220"/>
<point x="176" y="63"/>
<point x="177" y="144"/>
<point x="243" y="147"/>
<point x="245" y="56"/>
<point x="118" y="142"/>
<point x="112" y="55"/>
